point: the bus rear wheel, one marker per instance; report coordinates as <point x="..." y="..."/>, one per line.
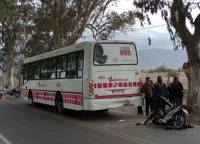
<point x="59" y="104"/>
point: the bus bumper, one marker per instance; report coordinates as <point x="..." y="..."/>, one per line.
<point x="107" y="103"/>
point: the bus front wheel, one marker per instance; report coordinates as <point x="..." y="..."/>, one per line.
<point x="59" y="104"/>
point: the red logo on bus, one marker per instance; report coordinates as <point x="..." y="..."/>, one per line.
<point x="119" y="79"/>
<point x="58" y="85"/>
<point x="125" y="51"/>
<point x="41" y="85"/>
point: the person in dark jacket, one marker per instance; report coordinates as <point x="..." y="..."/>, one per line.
<point x="147" y="90"/>
<point x="177" y="92"/>
<point x="160" y="89"/>
<point x="171" y="96"/>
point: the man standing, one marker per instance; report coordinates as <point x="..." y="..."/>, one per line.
<point x="147" y="90"/>
<point x="160" y="89"/>
<point x="140" y="111"/>
<point x="171" y="96"/>
<point x="177" y="92"/>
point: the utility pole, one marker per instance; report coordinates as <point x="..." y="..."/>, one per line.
<point x="146" y="65"/>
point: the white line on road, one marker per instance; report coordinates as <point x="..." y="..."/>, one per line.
<point x="4" y="139"/>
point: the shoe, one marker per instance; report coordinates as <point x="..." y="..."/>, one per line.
<point x="162" y="121"/>
<point x="190" y="126"/>
<point x="140" y="114"/>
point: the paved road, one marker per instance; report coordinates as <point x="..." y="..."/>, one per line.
<point x="21" y="123"/>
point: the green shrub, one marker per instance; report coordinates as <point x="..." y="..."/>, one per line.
<point x="180" y="70"/>
<point x="162" y="69"/>
<point x="151" y="71"/>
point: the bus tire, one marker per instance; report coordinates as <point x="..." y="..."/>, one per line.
<point x="59" y="104"/>
<point x="102" y="111"/>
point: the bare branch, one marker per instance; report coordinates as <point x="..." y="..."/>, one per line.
<point x="178" y="19"/>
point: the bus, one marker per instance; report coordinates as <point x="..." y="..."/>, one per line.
<point x="97" y="75"/>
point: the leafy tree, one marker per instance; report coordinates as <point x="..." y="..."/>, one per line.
<point x="175" y="13"/>
<point x="15" y="31"/>
<point x="62" y="22"/>
<point x="162" y="69"/>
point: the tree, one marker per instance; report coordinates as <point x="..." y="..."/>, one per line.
<point x="175" y="13"/>
<point x="162" y="69"/>
<point x="62" y="22"/>
<point x="15" y="31"/>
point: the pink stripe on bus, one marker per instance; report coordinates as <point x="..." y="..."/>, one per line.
<point x="116" y="84"/>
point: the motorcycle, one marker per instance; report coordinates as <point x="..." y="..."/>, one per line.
<point x="174" y="117"/>
<point x="11" y="92"/>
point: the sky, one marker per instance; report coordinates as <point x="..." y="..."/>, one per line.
<point x="160" y="38"/>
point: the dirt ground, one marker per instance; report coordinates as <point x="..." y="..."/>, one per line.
<point x="194" y="116"/>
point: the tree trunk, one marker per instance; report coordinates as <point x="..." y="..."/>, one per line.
<point x="9" y="72"/>
<point x="11" y="78"/>
<point x="192" y="71"/>
<point x="21" y="74"/>
<point x="193" y="75"/>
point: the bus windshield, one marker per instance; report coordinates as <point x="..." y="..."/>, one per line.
<point x="115" y="54"/>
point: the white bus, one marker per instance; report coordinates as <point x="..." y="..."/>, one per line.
<point x="87" y="76"/>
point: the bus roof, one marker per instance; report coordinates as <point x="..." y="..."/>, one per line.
<point x="69" y="49"/>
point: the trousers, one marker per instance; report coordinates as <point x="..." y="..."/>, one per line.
<point x="149" y="103"/>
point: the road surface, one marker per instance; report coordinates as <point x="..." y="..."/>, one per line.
<point x="22" y="123"/>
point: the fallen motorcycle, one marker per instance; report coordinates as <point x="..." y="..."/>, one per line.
<point x="11" y="92"/>
<point x="174" y="117"/>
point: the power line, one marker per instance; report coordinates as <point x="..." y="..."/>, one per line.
<point x="151" y="27"/>
<point x="139" y="29"/>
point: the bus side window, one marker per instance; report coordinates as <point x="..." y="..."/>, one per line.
<point x="61" y="67"/>
<point x="25" y="73"/>
<point x="37" y="70"/>
<point x="44" y="66"/>
<point x="31" y="71"/>
<point x="80" y="64"/>
<point x="52" y="68"/>
<point x="71" y="65"/>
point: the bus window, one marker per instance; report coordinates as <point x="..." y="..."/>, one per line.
<point x="44" y="66"/>
<point x="80" y="64"/>
<point x="37" y="70"/>
<point x="25" y="73"/>
<point x="71" y="65"/>
<point x="61" y="66"/>
<point x="52" y="68"/>
<point x="31" y="71"/>
<point x="115" y="54"/>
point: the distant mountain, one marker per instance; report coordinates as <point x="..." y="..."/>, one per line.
<point x="153" y="58"/>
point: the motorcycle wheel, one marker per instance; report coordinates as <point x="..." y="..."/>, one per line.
<point x="179" y="121"/>
<point x="17" y="94"/>
<point x="149" y="117"/>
